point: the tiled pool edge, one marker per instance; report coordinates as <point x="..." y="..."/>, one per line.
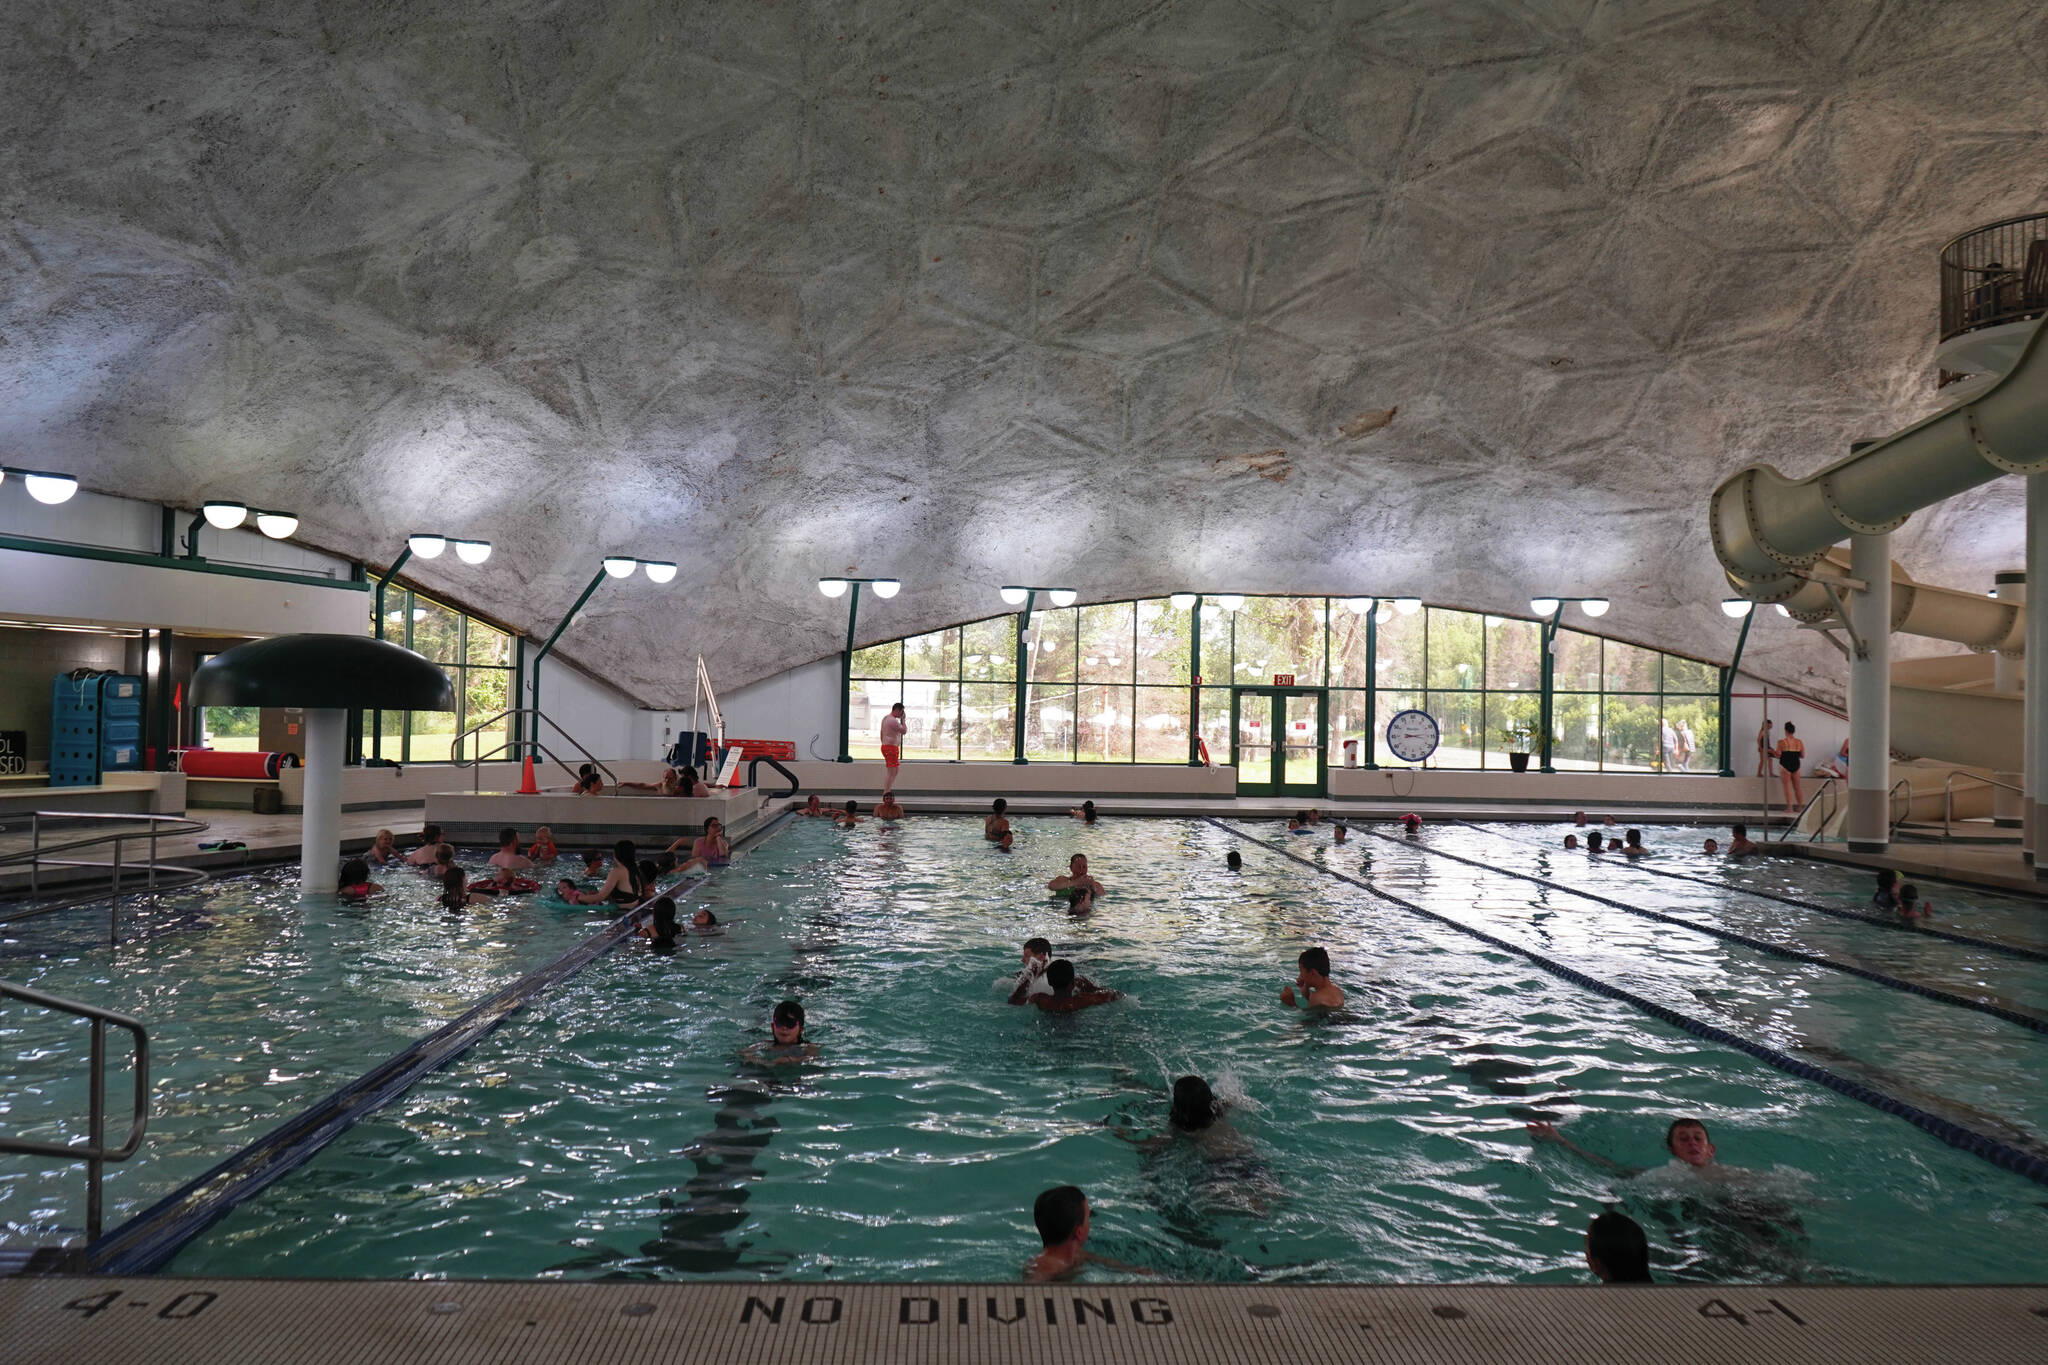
<point x="148" y="1241"/>
<point x="168" y="1321"/>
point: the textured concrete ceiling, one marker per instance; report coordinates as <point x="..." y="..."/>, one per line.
<point x="1117" y="295"/>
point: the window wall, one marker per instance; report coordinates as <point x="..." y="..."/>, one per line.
<point x="477" y="658"/>
<point x="1110" y="683"/>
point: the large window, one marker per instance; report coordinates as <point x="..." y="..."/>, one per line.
<point x="1114" y="683"/>
<point x="477" y="658"/>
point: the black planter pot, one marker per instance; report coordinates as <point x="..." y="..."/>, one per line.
<point x="1519" y="762"/>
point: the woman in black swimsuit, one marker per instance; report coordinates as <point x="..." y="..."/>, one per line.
<point x="1791" y="750"/>
<point x="622" y="886"/>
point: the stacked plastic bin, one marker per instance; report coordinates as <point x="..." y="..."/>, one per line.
<point x="95" y="727"/>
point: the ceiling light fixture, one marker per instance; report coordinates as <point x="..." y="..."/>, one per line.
<point x="224" y="516"/>
<point x="659" y="570"/>
<point x="832" y="587"/>
<point x="1594" y="606"/>
<point x="426" y="547"/>
<point x="885" y="588"/>
<point x="1062" y="597"/>
<point x="1734" y="608"/>
<point x="1358" y="606"/>
<point x="472" y="551"/>
<point x="620" y="566"/>
<point x="48" y="489"/>
<point x="1544" y="606"/>
<point x="276" y="525"/>
<point x="1181" y="601"/>
<point x="1407" y="606"/>
<point x="1014" y="596"/>
<point x="1231" y="601"/>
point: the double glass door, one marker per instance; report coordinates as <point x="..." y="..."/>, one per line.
<point x="1278" y="740"/>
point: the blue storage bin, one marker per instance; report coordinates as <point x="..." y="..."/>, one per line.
<point x="95" y="727"/>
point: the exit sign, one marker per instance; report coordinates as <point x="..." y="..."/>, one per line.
<point x="1283" y="680"/>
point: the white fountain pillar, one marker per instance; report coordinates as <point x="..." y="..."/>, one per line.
<point x="320" y="825"/>
<point x="1870" y="694"/>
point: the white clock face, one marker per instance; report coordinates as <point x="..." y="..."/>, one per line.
<point x="1412" y="735"/>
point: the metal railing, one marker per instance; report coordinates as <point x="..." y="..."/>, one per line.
<point x="1827" y="789"/>
<point x="705" y="696"/>
<point x="1891" y="828"/>
<point x="514" y="748"/>
<point x="94" y="1152"/>
<point x="1995" y="274"/>
<point x="1948" y="796"/>
<point x="155" y="876"/>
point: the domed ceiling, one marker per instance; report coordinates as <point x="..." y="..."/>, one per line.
<point x="1469" y="300"/>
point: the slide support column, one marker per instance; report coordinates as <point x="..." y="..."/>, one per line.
<point x="320" y="826"/>
<point x="1870" y="694"/>
<point x="2036" y="762"/>
<point x="2008" y="808"/>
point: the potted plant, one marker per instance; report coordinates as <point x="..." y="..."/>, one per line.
<point x="1516" y="738"/>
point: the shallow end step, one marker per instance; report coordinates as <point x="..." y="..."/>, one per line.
<point x="384" y="1322"/>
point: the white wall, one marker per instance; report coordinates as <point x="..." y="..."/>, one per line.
<point x="63" y="588"/>
<point x="601" y="719"/>
<point x="1822" y="730"/>
<point x="126" y="524"/>
<point x="801" y="704"/>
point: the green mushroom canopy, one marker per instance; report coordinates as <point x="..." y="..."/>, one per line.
<point x="323" y="671"/>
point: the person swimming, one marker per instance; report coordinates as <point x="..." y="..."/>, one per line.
<point x="1234" y="861"/>
<point x="660" y="927"/>
<point x="787" y="1045"/>
<point x="1710" y="847"/>
<point x="710" y="849"/>
<point x="1076" y="875"/>
<point x="1634" y="847"/>
<point x="848" y="815"/>
<point x="623" y="885"/>
<point x="1571" y="841"/>
<point x="1085" y="812"/>
<point x="588" y="782"/>
<point x="383" y="849"/>
<point x="888" y="808"/>
<point x="1031" y="979"/>
<point x="455" y="892"/>
<point x="1593" y="844"/>
<point x="1411" y="824"/>
<point x="814" y="807"/>
<point x="354" y="883"/>
<point x="1070" y="991"/>
<point x="427" y="854"/>
<point x="995" y="824"/>
<point x="1617" y="1251"/>
<point x="543" y="850"/>
<point x="1318" y="992"/>
<point x="1910" y="904"/>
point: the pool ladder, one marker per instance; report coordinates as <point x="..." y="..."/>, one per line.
<point x="94" y="1151"/>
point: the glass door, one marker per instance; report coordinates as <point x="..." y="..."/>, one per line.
<point x="1279" y="740"/>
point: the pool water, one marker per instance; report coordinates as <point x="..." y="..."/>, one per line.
<point x="256" y="1005"/>
<point x="617" y="1129"/>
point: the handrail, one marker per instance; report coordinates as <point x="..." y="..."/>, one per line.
<point x="36" y="855"/>
<point x="1899" y="819"/>
<point x="95" y="1153"/>
<point x="754" y="763"/>
<point x="1992" y="275"/>
<point x="455" y="750"/>
<point x="1826" y="785"/>
<point x="1948" y="796"/>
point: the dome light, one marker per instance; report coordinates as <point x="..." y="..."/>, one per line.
<point x="1358" y="606"/>
<point x="1181" y="601"/>
<point x="660" y="570"/>
<point x="427" y="547"/>
<point x="1783" y="610"/>
<point x="1014" y="596"/>
<point x="1544" y="606"/>
<point x="1231" y="601"/>
<point x="620" y="566"/>
<point x="276" y="525"/>
<point x="224" y="516"/>
<point x="1735" y="608"/>
<point x="832" y="587"/>
<point x="1495" y="622"/>
<point x="886" y="588"/>
<point x="1407" y="606"/>
<point x="48" y="489"/>
<point x="1062" y="597"/>
<point x="1593" y="606"/>
<point x="472" y="551"/>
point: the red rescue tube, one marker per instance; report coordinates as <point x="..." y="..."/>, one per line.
<point x="221" y="763"/>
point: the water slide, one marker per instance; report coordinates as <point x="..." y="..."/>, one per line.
<point x="1766" y="529"/>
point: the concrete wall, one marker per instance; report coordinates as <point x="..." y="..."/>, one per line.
<point x="63" y="588"/>
<point x="801" y="704"/>
<point x="601" y="718"/>
<point x="30" y="660"/>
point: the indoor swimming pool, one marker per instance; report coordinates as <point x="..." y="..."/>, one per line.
<point x="616" y="1129"/>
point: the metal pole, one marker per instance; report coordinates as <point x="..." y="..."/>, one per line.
<point x="1195" y="684"/>
<point x="1728" y="696"/>
<point x="1870" y="694"/>
<point x="383" y="582"/>
<point x="2007" y="670"/>
<point x="1549" y="682"/>
<point x="1023" y="629"/>
<point x="35" y="848"/>
<point x="96" y="1130"/>
<point x="2036" y="765"/>
<point x="542" y="654"/>
<point x="320" y="824"/>
<point x="846" y="673"/>
<point x="1372" y="684"/>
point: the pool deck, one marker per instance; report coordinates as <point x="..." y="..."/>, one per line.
<point x="166" y="1321"/>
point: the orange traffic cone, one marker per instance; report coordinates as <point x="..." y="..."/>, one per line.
<point x="527" y="786"/>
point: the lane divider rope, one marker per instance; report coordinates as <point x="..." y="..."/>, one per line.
<point x="1988" y="944"/>
<point x="1954" y="1134"/>
<point x="1935" y="993"/>
<point x="146" y="1242"/>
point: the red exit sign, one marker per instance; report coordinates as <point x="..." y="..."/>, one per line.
<point x="1283" y="680"/>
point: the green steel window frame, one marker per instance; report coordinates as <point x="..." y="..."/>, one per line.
<point x="458" y="672"/>
<point x="1488" y="697"/>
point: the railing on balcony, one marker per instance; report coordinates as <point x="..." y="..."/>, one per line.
<point x="1995" y="274"/>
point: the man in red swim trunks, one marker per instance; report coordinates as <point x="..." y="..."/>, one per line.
<point x="893" y="727"/>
